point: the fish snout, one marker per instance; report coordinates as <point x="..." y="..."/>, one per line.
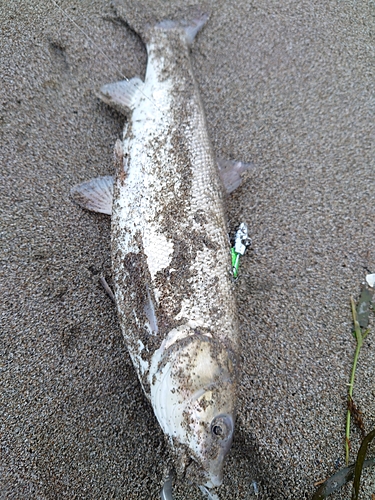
<point x="215" y="480"/>
<point x="222" y="429"/>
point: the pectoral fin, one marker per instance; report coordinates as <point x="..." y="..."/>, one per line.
<point x="149" y="310"/>
<point x="95" y="195"/>
<point x="123" y="95"/>
<point x="230" y="173"/>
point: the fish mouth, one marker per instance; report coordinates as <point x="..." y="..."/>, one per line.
<point x="214" y="481"/>
<point x="207" y="493"/>
<point x="215" y="478"/>
<point x="211" y="478"/>
<point x="167" y="490"/>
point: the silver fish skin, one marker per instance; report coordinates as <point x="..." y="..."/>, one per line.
<point x="171" y="255"/>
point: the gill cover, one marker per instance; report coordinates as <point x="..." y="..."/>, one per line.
<point x="193" y="393"/>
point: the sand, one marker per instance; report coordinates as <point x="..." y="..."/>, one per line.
<point x="287" y="85"/>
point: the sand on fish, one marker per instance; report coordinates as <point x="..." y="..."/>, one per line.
<point x="286" y="85"/>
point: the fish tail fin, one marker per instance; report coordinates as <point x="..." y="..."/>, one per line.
<point x="190" y="25"/>
<point x="143" y="20"/>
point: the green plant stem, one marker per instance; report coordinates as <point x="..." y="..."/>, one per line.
<point x="359" y="337"/>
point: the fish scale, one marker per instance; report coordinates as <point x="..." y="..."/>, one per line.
<point x="188" y="173"/>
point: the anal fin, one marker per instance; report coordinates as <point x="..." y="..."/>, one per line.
<point x="95" y="195"/>
<point x="230" y="173"/>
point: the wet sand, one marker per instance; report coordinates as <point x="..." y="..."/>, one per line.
<point x="289" y="87"/>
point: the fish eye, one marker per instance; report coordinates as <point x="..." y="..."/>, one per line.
<point x="221" y="427"/>
<point x="217" y="430"/>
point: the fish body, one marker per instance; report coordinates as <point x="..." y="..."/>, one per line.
<point x="171" y="254"/>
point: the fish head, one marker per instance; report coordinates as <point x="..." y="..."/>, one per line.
<point x="193" y="393"/>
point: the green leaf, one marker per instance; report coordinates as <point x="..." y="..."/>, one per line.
<point x="360" y="463"/>
<point x="339" y="479"/>
<point x="363" y="308"/>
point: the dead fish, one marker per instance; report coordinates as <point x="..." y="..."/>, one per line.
<point x="171" y="253"/>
